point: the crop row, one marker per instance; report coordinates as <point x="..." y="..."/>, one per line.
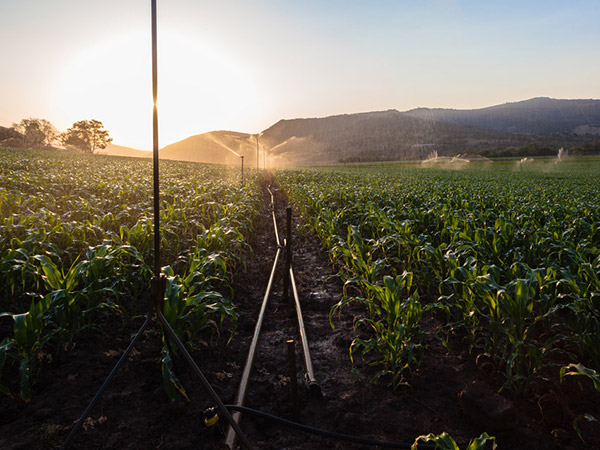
<point x="509" y="258"/>
<point x="76" y="245"/>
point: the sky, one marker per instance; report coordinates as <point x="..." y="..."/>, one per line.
<point x="244" y="65"/>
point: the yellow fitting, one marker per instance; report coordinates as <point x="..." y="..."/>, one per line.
<point x="210" y="421"/>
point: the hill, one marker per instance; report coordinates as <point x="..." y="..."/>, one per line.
<point x="383" y="135"/>
<point x="216" y="147"/>
<point x="392" y="135"/>
<point x="119" y="150"/>
<point x="540" y="115"/>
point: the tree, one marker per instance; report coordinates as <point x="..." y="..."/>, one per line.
<point x="9" y="133"/>
<point x="36" y="132"/>
<point x="87" y="135"/>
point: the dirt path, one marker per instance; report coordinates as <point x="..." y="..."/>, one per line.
<point x="136" y="414"/>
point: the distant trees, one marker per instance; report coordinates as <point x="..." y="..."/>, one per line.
<point x="529" y="150"/>
<point x="36" y="132"/>
<point x="7" y="134"/>
<point x="589" y="148"/>
<point x="87" y="135"/>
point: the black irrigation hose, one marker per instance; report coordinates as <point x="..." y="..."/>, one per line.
<point x="329" y="434"/>
<point x="105" y="385"/>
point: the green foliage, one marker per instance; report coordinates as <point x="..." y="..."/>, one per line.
<point x="509" y="254"/>
<point x="581" y="370"/>
<point x="529" y="150"/>
<point x="445" y="442"/>
<point x="87" y="135"/>
<point x="76" y="245"/>
<point x="26" y="344"/>
<point x="395" y="323"/>
<point x="35" y="132"/>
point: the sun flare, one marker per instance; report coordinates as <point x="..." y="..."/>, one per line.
<point x="201" y="88"/>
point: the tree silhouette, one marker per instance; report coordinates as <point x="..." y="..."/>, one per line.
<point x="87" y="135"/>
<point x="36" y="132"/>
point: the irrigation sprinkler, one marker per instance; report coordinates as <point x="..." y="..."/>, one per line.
<point x="158" y="282"/>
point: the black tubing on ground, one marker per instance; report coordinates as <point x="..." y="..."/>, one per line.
<point x="329" y="434"/>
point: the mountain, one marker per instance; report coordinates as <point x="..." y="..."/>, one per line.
<point x="540" y="115"/>
<point x="383" y="135"/>
<point x="216" y="147"/>
<point x="119" y="150"/>
<point x="414" y="134"/>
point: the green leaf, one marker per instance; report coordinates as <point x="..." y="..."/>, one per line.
<point x="580" y="369"/>
<point x="170" y="380"/>
<point x="587" y="418"/>
<point x="442" y="441"/>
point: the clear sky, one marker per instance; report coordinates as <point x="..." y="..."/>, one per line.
<point x="243" y="65"/>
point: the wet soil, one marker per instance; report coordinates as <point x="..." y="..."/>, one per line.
<point x="135" y="413"/>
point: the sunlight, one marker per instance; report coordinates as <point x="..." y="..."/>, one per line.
<point x="200" y="88"/>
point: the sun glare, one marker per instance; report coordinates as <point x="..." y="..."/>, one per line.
<point x="200" y="88"/>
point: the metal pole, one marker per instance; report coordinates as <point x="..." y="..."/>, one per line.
<point x="257" y="159"/>
<point x="155" y="145"/>
<point x="274" y="219"/>
<point x="288" y="253"/>
<point x="241" y="394"/>
<point x="291" y="352"/>
<point x="310" y="379"/>
<point x="242" y="169"/>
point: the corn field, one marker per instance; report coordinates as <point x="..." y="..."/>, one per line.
<point x="508" y="258"/>
<point x="501" y="258"/>
<point x="76" y="245"/>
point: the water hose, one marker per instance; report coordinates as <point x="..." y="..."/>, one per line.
<point x="211" y="418"/>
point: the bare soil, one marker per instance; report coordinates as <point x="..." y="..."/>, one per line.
<point x="135" y="412"/>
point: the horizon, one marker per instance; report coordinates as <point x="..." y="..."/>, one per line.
<point x="243" y="67"/>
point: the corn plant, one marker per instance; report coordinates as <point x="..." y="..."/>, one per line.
<point x="26" y="344"/>
<point x="444" y="441"/>
<point x="510" y="258"/>
<point x="581" y="370"/>
<point x="394" y="321"/>
<point x="76" y="236"/>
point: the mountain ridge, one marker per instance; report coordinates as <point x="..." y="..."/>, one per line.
<point x="393" y="134"/>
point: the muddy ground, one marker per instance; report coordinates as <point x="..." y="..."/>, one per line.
<point x="135" y="412"/>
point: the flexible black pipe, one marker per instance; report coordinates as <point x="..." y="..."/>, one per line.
<point x="105" y="384"/>
<point x="329" y="434"/>
<point x="206" y="384"/>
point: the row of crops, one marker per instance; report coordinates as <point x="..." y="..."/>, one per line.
<point x="76" y="248"/>
<point x="508" y="259"/>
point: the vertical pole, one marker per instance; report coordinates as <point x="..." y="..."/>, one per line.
<point x="155" y="145"/>
<point x="242" y="169"/>
<point x="257" y="159"/>
<point x="288" y="252"/>
<point x="291" y="351"/>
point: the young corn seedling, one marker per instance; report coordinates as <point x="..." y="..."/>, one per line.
<point x="581" y="370"/>
<point x="445" y="442"/>
<point x="26" y="345"/>
<point x="395" y="324"/>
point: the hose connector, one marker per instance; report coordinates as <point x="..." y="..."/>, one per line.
<point x="211" y="417"/>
